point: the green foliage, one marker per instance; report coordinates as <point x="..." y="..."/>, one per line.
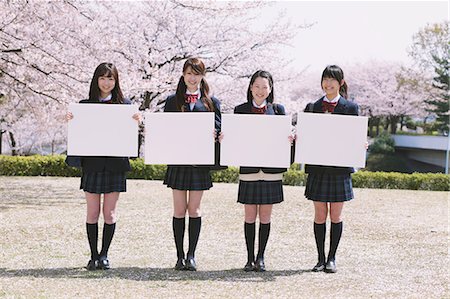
<point x="383" y="144"/>
<point x="36" y="166"/>
<point x="229" y="175"/>
<point x="146" y="172"/>
<point x="386" y="162"/>
<point x="55" y="166"/>
<point x="395" y="180"/>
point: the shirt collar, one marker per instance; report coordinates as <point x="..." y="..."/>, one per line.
<point x="263" y="104"/>
<point x="108" y="98"/>
<point x="335" y="100"/>
<point x="196" y="92"/>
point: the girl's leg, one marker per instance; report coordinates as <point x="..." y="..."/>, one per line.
<point x="92" y="214"/>
<point x="265" y="213"/>
<point x="251" y="212"/>
<point x="336" y="228"/>
<point x="195" y="221"/>
<point x="109" y="214"/>
<point x="178" y="224"/>
<point x="320" y="217"/>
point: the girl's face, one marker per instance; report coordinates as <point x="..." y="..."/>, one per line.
<point x="260" y="89"/>
<point x="331" y="86"/>
<point x="106" y="85"/>
<point x="192" y="79"/>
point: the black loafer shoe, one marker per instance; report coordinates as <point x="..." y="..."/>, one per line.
<point x="330" y="267"/>
<point x="180" y="265"/>
<point x="190" y="264"/>
<point x="319" y="267"/>
<point x="250" y="266"/>
<point x="260" y="266"/>
<point x="103" y="263"/>
<point x="92" y="265"/>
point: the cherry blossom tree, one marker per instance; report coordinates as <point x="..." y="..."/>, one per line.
<point x="50" y="49"/>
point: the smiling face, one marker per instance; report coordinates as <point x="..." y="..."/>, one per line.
<point x="260" y="89"/>
<point x="106" y="85"/>
<point x="331" y="87"/>
<point x="192" y="79"/>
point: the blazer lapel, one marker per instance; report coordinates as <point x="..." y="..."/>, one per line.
<point x="199" y="106"/>
<point x="341" y="107"/>
<point x="270" y="110"/>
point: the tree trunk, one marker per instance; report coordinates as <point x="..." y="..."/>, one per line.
<point x="386" y="124"/>
<point x="377" y="126"/>
<point x="393" y="120"/>
<point x="13" y="144"/>
<point x="1" y="138"/>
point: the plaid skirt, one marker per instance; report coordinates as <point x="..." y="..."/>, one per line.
<point x="329" y="187"/>
<point x="187" y="178"/>
<point x="103" y="182"/>
<point x="260" y="192"/>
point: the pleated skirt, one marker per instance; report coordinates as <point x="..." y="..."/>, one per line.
<point x="260" y="192"/>
<point x="103" y="182"/>
<point x="188" y="178"/>
<point x="329" y="187"/>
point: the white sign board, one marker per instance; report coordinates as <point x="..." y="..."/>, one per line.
<point x="255" y="140"/>
<point x="179" y="138"/>
<point x="331" y="139"/>
<point x="102" y="130"/>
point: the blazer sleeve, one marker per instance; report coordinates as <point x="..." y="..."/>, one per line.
<point x="170" y="105"/>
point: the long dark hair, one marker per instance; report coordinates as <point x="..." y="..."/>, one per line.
<point x="108" y="70"/>
<point x="335" y="72"/>
<point x="198" y="67"/>
<point x="262" y="74"/>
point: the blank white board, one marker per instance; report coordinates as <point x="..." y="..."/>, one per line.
<point x="255" y="140"/>
<point x="179" y="138"/>
<point x="102" y="130"/>
<point x="331" y="139"/>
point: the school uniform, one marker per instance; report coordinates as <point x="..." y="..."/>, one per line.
<point x="104" y="174"/>
<point x="330" y="183"/>
<point x="260" y="185"/>
<point x="190" y="177"/>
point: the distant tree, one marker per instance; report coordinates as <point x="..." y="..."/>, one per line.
<point x="431" y="52"/>
<point x="382" y="95"/>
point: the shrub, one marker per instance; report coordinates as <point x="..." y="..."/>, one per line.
<point x="383" y="144"/>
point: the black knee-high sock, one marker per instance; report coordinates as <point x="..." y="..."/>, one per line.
<point x="194" y="232"/>
<point x="92" y="234"/>
<point x="249" y="231"/>
<point x="264" y="230"/>
<point x="178" y="225"/>
<point x="335" y="236"/>
<point x="319" y="234"/>
<point x="108" y="233"/>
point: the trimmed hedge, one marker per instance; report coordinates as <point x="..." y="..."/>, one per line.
<point x="55" y="166"/>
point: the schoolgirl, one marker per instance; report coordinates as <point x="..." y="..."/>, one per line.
<point x="188" y="182"/>
<point x="259" y="188"/>
<point x="327" y="186"/>
<point x="103" y="175"/>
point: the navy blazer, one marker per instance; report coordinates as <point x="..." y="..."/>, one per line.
<point x="272" y="109"/>
<point x="171" y="106"/>
<point x="344" y="107"/>
<point x="100" y="164"/>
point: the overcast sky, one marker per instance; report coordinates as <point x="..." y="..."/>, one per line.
<point x="346" y="32"/>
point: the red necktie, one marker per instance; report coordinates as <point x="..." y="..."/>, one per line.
<point x="257" y="110"/>
<point x="191" y="98"/>
<point x="328" y="107"/>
